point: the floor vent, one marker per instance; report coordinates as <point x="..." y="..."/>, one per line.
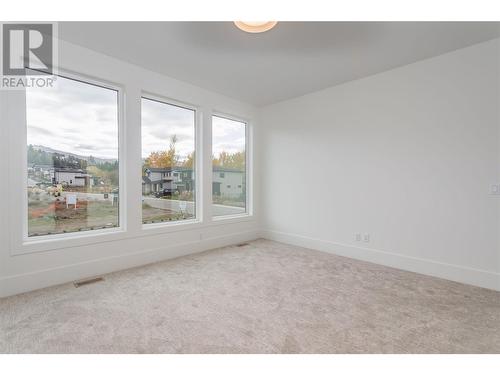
<point x="80" y="283"/>
<point x="242" y="244"/>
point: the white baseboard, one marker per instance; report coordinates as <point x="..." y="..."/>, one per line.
<point x="17" y="284"/>
<point x="428" y="267"/>
<point x="54" y="276"/>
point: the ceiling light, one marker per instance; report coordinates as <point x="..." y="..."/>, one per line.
<point x="255" y="27"/>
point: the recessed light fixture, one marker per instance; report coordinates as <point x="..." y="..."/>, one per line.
<point x="255" y="27"/>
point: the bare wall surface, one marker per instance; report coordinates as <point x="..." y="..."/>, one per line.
<point x="407" y="156"/>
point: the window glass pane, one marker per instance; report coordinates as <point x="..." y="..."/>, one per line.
<point x="229" y="166"/>
<point x="168" y="166"/>
<point x="72" y="142"/>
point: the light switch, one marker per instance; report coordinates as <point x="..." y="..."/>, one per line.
<point x="495" y="189"/>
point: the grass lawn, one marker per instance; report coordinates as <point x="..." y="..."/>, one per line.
<point x="158" y="215"/>
<point x="228" y="201"/>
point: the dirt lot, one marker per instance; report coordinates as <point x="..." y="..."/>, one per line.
<point x="47" y="215"/>
<point x="52" y="216"/>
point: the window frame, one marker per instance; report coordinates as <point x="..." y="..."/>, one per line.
<point x="130" y="225"/>
<point x="21" y="243"/>
<point x="248" y="214"/>
<point x="198" y="219"/>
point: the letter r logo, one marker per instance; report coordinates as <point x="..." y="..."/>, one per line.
<point x="27" y="46"/>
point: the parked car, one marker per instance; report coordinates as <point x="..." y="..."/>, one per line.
<point x="164" y="193"/>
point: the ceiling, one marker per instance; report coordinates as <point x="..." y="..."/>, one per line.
<point x="290" y="60"/>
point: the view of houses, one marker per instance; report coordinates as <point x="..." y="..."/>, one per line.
<point x="68" y="193"/>
<point x="226" y="182"/>
<point x="39" y="174"/>
<point x="72" y="161"/>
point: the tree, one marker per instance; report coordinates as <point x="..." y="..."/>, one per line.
<point x="227" y="160"/>
<point x="238" y="160"/>
<point x="163" y="159"/>
<point x="109" y="176"/>
<point x="189" y="162"/>
<point x="39" y="157"/>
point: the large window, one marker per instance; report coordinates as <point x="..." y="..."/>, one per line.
<point x="73" y="171"/>
<point x="229" y="193"/>
<point x="72" y="155"/>
<point x="168" y="162"/>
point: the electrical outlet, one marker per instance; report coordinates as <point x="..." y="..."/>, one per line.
<point x="495" y="189"/>
<point x="357" y="236"/>
<point x="366" y="237"/>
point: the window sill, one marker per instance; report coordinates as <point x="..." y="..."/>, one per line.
<point x="233" y="218"/>
<point x="169" y="227"/>
<point x="78" y="239"/>
<point x="67" y="240"/>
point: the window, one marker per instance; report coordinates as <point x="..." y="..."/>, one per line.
<point x="168" y="148"/>
<point x="229" y="163"/>
<point x="72" y="158"/>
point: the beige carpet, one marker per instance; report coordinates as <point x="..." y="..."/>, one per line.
<point x="266" y="297"/>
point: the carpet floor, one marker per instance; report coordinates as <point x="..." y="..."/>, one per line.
<point x="265" y="297"/>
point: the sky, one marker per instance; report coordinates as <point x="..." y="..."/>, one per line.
<point x="74" y="117"/>
<point x="227" y="135"/>
<point x="81" y="118"/>
<point x="160" y="121"/>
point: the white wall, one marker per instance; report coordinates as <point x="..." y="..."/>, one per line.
<point x="407" y="156"/>
<point x="54" y="262"/>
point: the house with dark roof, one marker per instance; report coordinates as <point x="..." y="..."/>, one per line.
<point x="170" y="179"/>
<point x="225" y="181"/>
<point x="72" y="177"/>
